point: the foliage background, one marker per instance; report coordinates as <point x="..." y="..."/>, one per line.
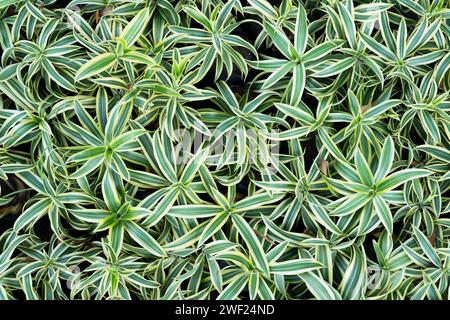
<point x="352" y="205"/>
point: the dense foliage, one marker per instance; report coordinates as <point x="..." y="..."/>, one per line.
<point x="159" y="149"/>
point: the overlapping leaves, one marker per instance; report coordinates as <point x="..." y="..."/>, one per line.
<point x="224" y="149"/>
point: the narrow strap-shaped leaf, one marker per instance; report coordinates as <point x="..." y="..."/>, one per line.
<point x="354" y="277"/>
<point x="256" y="201"/>
<point x="298" y="84"/>
<point x="386" y="159"/>
<point x="349" y="25"/>
<point x="280" y="40"/>
<point x="301" y="30"/>
<point x="426" y="247"/>
<point x="195" y="211"/>
<point x="435" y="151"/>
<point x="144" y="239"/>
<point x="321" y="289"/>
<point x="321" y="50"/>
<point x="378" y="48"/>
<point x="234" y="288"/>
<point x="136" y="27"/>
<point x="254" y="246"/>
<point x="213" y="226"/>
<point x="400" y="177"/>
<point x="335" y="68"/>
<point x="364" y="171"/>
<point x="384" y="213"/>
<point x="295" y="267"/>
<point x="32" y="214"/>
<point x="381" y="108"/>
<point x="163" y="207"/>
<point x="95" y="66"/>
<point x="109" y="191"/>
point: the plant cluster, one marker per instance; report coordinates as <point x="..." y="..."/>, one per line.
<point x="211" y="149"/>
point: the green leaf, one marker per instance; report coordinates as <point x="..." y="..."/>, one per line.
<point x="436" y="151"/>
<point x="295" y="267"/>
<point x="213" y="226"/>
<point x="364" y="171"/>
<point x="298" y="84"/>
<point x="144" y="239"/>
<point x="301" y="31"/>
<point x="426" y="247"/>
<point x="335" y="68"/>
<point x="96" y="66"/>
<point x="234" y="288"/>
<point x="321" y="50"/>
<point x="32" y="214"/>
<point x="136" y="27"/>
<point x="349" y="25"/>
<point x="163" y="207"/>
<point x="383" y="212"/>
<point x="378" y="48"/>
<point x="195" y="211"/>
<point x="381" y="108"/>
<point x="252" y="242"/>
<point x="109" y="190"/>
<point x="386" y="159"/>
<point x="280" y="40"/>
<point x="321" y="289"/>
<point x="354" y="277"/>
<point x="400" y="177"/>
